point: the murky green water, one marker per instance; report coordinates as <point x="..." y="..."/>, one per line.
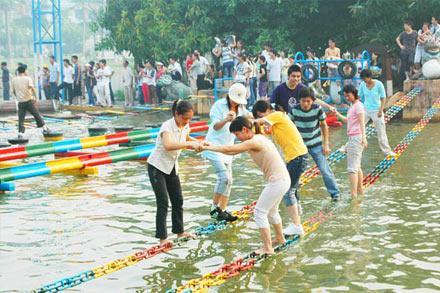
<point x="57" y="226"/>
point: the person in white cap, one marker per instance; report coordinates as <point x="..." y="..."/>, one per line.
<point x="221" y="115"/>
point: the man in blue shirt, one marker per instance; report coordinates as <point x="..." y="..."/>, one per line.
<point x="287" y="94"/>
<point x="54" y="79"/>
<point x="373" y="96"/>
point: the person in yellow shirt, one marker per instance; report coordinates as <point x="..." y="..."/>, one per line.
<point x="295" y="152"/>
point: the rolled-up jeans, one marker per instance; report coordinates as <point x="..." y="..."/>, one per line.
<point x="295" y="167"/>
<point x="223" y="171"/>
<point x="326" y="172"/>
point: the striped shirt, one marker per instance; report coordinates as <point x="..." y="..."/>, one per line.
<point x="307" y="123"/>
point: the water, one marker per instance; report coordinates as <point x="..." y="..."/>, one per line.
<point x="58" y="226"/>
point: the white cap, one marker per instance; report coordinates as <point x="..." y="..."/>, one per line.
<point x="88" y="65"/>
<point x="159" y="63"/>
<point x="238" y="93"/>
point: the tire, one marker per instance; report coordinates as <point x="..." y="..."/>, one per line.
<point x="305" y="69"/>
<point x="341" y="69"/>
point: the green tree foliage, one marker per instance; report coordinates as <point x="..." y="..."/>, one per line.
<point x="158" y="29"/>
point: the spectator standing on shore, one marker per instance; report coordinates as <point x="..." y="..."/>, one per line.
<point x="274" y="67"/>
<point x="90" y="81"/>
<point x="127" y="82"/>
<point x="140" y="77"/>
<point x="332" y="53"/>
<point x="54" y="71"/>
<point x="266" y="51"/>
<point x="191" y="79"/>
<point x="45" y="76"/>
<point x="262" y="77"/>
<point x="284" y="57"/>
<point x="435" y="27"/>
<point x="407" y="43"/>
<point x="5" y="80"/>
<point x="103" y="77"/>
<point x="68" y="74"/>
<point x="174" y="69"/>
<point x="77" y="95"/>
<point x="424" y="35"/>
<point x="227" y="55"/>
<point x="150" y="80"/>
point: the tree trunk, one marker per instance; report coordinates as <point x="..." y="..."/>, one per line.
<point x="8" y="33"/>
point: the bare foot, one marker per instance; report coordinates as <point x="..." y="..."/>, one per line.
<point x="264" y="251"/>
<point x="164" y="241"/>
<point x="279" y="241"/>
<point x="184" y="234"/>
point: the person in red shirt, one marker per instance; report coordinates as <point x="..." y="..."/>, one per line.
<point x="160" y="70"/>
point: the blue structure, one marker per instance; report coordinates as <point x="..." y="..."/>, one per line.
<point x="46" y="25"/>
<point x="300" y="58"/>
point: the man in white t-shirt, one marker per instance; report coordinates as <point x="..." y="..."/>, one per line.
<point x="274" y="67"/>
<point x="103" y="79"/>
<point x="266" y="51"/>
<point x="174" y="69"/>
<point x="127" y="82"/>
<point x="204" y="63"/>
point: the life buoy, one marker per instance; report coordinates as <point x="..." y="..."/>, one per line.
<point x="341" y="71"/>
<point x="306" y="76"/>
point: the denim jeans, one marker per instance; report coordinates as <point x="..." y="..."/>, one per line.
<point x="6" y="90"/>
<point x="228" y="69"/>
<point x="295" y="167"/>
<point x="224" y="177"/>
<point x="140" y="96"/>
<point x="326" y="172"/>
<point x="253" y="95"/>
<point x="90" y="94"/>
<point x="55" y="95"/>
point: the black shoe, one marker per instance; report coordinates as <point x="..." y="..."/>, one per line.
<point x="220" y="215"/>
<point x="46" y="131"/>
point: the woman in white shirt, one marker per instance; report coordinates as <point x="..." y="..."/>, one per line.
<point x="68" y="74"/>
<point x="163" y="169"/>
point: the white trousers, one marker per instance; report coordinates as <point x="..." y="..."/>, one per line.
<point x="266" y="210"/>
<point x="380" y="128"/>
<point x="128" y="94"/>
<point x="104" y="95"/>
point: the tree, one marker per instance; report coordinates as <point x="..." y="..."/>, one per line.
<point x="157" y="28"/>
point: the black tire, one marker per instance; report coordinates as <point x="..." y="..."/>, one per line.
<point x="309" y="67"/>
<point x="341" y="69"/>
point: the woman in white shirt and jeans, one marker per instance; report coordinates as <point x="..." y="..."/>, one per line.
<point x="163" y="169"/>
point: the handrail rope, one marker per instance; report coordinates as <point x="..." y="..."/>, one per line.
<point x="234" y="268"/>
<point x="337" y="155"/>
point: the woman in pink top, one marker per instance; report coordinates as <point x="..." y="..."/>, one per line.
<point x="357" y="140"/>
<point x="266" y="156"/>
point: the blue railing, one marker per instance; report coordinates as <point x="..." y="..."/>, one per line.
<point x="216" y="89"/>
<point x="300" y="58"/>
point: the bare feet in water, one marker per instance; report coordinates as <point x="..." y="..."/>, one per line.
<point x="264" y="251"/>
<point x="164" y="241"/>
<point x="184" y="234"/>
<point x="279" y="241"/>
